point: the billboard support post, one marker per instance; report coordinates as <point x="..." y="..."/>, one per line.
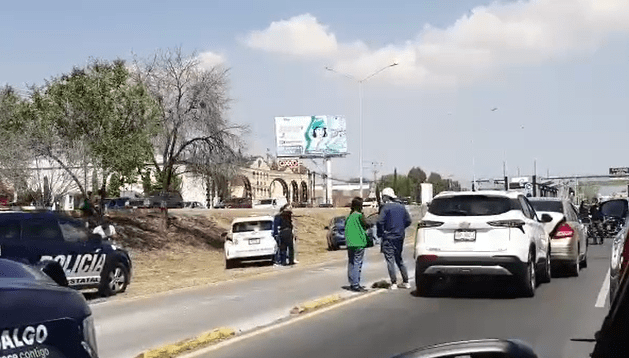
<point x="328" y="181"/>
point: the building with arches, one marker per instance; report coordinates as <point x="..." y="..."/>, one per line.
<point x="261" y="180"/>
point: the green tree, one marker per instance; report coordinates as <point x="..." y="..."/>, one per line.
<point x="97" y="115"/>
<point x="416" y="176"/>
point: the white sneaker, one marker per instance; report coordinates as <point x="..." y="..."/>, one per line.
<point x="404" y="285"/>
<point x="393" y="287"/>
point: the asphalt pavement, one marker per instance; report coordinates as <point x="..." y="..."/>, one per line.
<point x="127" y="327"/>
<point x="391" y="322"/>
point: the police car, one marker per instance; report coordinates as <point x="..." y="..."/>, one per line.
<point x="87" y="259"/>
<point x="41" y="318"/>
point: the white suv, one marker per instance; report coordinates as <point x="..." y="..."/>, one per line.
<point x="250" y="238"/>
<point x="493" y="233"/>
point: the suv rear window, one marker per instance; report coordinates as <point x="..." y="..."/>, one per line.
<point x="614" y="208"/>
<point x="471" y="205"/>
<point x="547" y="205"/>
<point x="252" y="226"/>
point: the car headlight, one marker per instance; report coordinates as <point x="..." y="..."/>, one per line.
<point x="89" y="337"/>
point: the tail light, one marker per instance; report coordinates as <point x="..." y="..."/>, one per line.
<point x="507" y="223"/>
<point x="427" y="258"/>
<point x="563" y="232"/>
<point x="516" y="224"/>
<point x="427" y="224"/>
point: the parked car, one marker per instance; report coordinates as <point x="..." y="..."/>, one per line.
<point x="193" y="205"/>
<point x="40" y="318"/>
<point x="614" y="213"/>
<point x="619" y="257"/>
<point x="266" y="204"/>
<point x="336" y="233"/>
<point x="568" y="235"/>
<point x="372" y="231"/>
<point x="239" y="203"/>
<point x="370" y="203"/>
<point x="169" y="200"/>
<point x="87" y="259"/>
<point x="489" y="233"/>
<point x="117" y="204"/>
<point x="250" y="238"/>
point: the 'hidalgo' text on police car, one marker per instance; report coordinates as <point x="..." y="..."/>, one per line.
<point x="88" y="261"/>
<point x="41" y="319"/>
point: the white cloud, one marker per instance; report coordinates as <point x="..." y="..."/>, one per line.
<point x="487" y="39"/>
<point x="208" y="59"/>
<point x="301" y="35"/>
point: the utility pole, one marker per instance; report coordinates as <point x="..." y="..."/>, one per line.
<point x="375" y="170"/>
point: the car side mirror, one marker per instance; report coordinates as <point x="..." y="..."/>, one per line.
<point x="546" y="218"/>
<point x="485" y="348"/>
<point x="95" y="239"/>
<point x="53" y="270"/>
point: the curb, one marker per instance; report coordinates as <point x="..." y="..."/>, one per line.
<point x="315" y="304"/>
<point x="171" y="350"/>
<point x="210" y="339"/>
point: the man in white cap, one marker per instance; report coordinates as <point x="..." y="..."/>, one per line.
<point x="392" y="223"/>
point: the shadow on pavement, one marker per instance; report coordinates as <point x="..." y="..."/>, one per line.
<point x="472" y="287"/>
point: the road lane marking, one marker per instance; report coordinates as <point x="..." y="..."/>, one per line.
<point x="602" y="295"/>
<point x="272" y="327"/>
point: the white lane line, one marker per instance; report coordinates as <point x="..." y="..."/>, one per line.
<point x="602" y="295"/>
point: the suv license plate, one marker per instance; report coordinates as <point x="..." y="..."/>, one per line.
<point x="465" y="235"/>
<point x="254" y="241"/>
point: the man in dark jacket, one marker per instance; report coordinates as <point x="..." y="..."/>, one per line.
<point x="283" y="231"/>
<point x="392" y="223"/>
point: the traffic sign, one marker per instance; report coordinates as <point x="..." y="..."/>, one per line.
<point x="619" y="171"/>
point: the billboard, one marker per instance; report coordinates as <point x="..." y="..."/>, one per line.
<point x="310" y="136"/>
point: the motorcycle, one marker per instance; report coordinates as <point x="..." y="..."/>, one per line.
<point x="596" y="231"/>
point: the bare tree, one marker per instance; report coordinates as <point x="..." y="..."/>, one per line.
<point x="196" y="135"/>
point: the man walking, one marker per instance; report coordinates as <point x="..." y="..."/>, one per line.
<point x="392" y="223"/>
<point x="356" y="240"/>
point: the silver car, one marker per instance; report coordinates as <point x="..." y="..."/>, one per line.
<point x="568" y="235"/>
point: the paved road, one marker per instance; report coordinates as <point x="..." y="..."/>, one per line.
<point x="392" y="322"/>
<point x="127" y="327"/>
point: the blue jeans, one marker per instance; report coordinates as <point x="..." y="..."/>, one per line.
<point x="392" y="250"/>
<point x="354" y="265"/>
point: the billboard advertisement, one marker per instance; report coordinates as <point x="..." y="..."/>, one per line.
<point x="310" y="136"/>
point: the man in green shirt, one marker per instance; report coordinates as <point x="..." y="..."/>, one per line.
<point x="356" y="240"/>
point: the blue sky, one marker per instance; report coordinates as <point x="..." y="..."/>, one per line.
<point x="557" y="70"/>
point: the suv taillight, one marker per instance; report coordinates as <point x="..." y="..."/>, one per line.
<point x="507" y="223"/>
<point x="427" y="223"/>
<point x="563" y="232"/>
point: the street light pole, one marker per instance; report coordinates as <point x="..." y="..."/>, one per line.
<point x="360" y="135"/>
<point x="360" y="115"/>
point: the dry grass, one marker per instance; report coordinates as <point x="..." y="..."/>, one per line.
<point x="190" y="253"/>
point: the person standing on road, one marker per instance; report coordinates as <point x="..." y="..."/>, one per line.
<point x="356" y="240"/>
<point x="276" y="234"/>
<point x="391" y="226"/>
<point x="285" y="236"/>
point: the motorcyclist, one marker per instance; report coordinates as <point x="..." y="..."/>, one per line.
<point x="597" y="222"/>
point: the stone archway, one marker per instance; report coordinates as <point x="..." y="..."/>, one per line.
<point x="241" y="187"/>
<point x="276" y="191"/>
<point x="294" y="192"/>
<point x="304" y="192"/>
